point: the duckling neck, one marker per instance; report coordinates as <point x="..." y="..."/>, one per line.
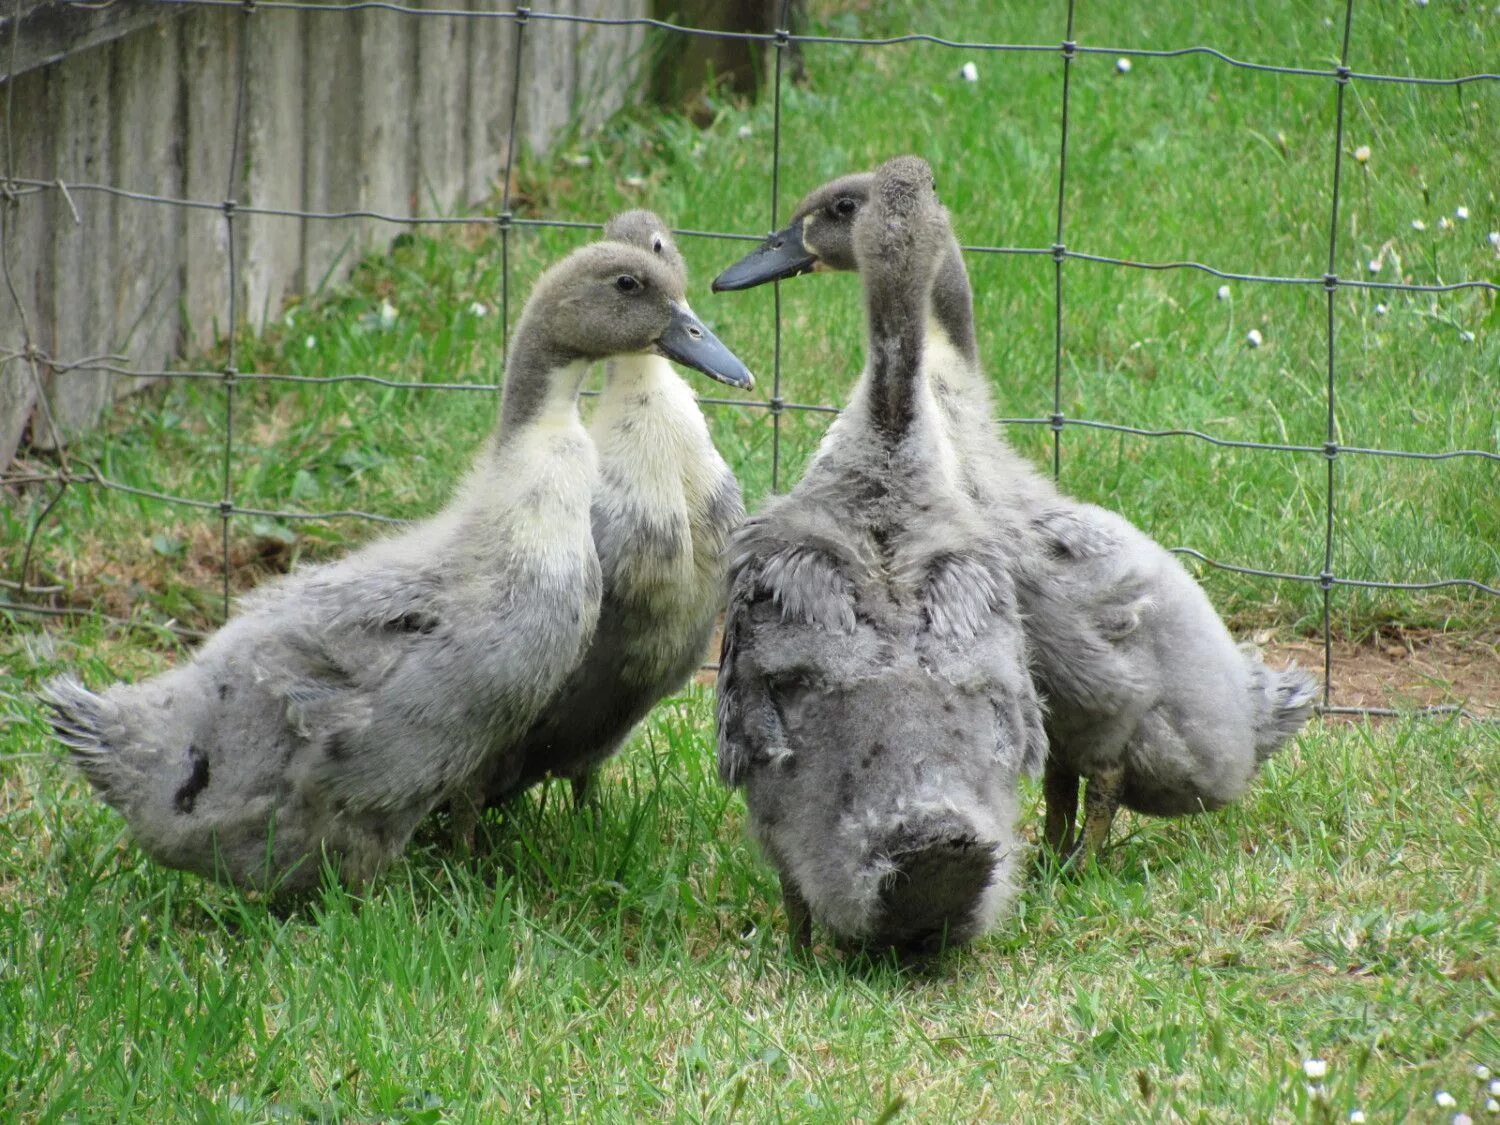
<point x="897" y="312"/>
<point x="953" y="304"/>
<point x="541" y="383"/>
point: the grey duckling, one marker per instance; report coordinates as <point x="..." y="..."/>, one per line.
<point x="1147" y="694"/>
<point x="345" y="701"/>
<point x="874" y="697"/>
<point x="664" y="506"/>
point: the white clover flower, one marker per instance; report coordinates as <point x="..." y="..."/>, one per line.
<point x="1445" y="1099"/>
<point x="1382" y="309"/>
<point x="1223" y="293"/>
<point x="1444" y="222"/>
<point x="1255" y="340"/>
<point x="1495" y="1087"/>
<point x="1418" y="224"/>
<point x="1315" y="1068"/>
<point x="388" y="313"/>
<point x="1362" y="154"/>
<point x="1122" y="66"/>
<point x="636" y="181"/>
<point x="579" y="160"/>
<point x="478" y="308"/>
<point x="969" y="72"/>
<point x="1462" y="1119"/>
<point x="1374" y="265"/>
<point x="1421" y="3"/>
<point x="1481" y="1071"/>
<point x="1466" y="336"/>
<point x="1461" y="213"/>
<point x="1492" y="1106"/>
<point x="1357" y="1117"/>
<point x="310" y="343"/>
<point x="745" y="132"/>
<point x="1494" y="238"/>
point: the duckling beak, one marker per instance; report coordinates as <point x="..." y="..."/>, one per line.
<point x="782" y="255"/>
<point x="687" y="341"/>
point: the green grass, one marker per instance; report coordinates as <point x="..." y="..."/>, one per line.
<point x="633" y="962"/>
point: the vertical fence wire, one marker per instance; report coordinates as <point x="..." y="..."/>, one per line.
<point x="1331" y="287"/>
<point x="33" y="359"/>
<point x="507" y="175"/>
<point x="783" y="31"/>
<point x="236" y="133"/>
<point x="1059" y="250"/>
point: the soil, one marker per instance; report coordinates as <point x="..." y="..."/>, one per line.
<point x="1407" y="669"/>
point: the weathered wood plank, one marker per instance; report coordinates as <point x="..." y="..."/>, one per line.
<point x="147" y="158"/>
<point x="331" y="156"/>
<point x="549" y="75"/>
<point x="210" y="68"/>
<point x="82" y="277"/>
<point x="273" y="160"/>
<point x="610" y="61"/>
<point x="441" y="109"/>
<point x="492" y="69"/>
<point x="51" y="31"/>
<point x="25" y="228"/>
<point x="387" y="66"/>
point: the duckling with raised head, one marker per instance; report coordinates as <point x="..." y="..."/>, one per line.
<point x="664" y="506"/>
<point x="342" y="703"/>
<point x="874" y="699"/>
<point x="1148" y="696"/>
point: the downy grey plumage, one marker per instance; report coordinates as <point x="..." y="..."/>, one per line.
<point x="664" y="506"/>
<point x="343" y="702"/>
<point x="1147" y="694"/>
<point x="874" y="699"/>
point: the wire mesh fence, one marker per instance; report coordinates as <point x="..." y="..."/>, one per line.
<point x="71" y="473"/>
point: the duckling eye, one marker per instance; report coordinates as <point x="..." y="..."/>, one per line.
<point x="845" y="207"/>
<point x="626" y="284"/>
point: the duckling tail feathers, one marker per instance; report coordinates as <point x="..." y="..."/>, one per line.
<point x="79" y="718"/>
<point x="1283" y="703"/>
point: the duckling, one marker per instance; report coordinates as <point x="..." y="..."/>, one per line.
<point x="341" y="704"/>
<point x="1147" y="694"/>
<point x="664" y="506"/>
<point x="873" y="695"/>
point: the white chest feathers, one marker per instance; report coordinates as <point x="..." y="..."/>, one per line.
<point x="533" y="493"/>
<point x="660" y="478"/>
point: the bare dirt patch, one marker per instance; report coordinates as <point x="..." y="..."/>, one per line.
<point x="1404" y="669"/>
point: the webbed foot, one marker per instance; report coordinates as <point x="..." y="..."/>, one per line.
<point x="1101" y="800"/>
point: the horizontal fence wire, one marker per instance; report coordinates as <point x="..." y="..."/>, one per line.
<point x="73" y="472"/>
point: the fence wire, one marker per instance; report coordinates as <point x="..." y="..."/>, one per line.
<point x="73" y="472"/>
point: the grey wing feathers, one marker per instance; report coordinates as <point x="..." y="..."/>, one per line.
<point x="745" y="714"/>
<point x="962" y="593"/>
<point x="807" y="587"/>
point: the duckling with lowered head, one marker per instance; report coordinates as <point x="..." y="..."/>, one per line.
<point x="664" y="506"/>
<point x="345" y="701"/>
<point x="874" y="698"/>
<point x="1147" y="694"/>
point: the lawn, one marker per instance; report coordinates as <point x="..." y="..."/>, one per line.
<point x="631" y="960"/>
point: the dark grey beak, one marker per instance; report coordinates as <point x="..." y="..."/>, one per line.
<point x="781" y="256"/>
<point x="687" y="341"/>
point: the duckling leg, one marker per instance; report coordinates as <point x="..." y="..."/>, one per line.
<point x="798" y="915"/>
<point x="1100" y="802"/>
<point x="463" y="822"/>
<point x="582" y="785"/>
<point x="1060" y="786"/>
